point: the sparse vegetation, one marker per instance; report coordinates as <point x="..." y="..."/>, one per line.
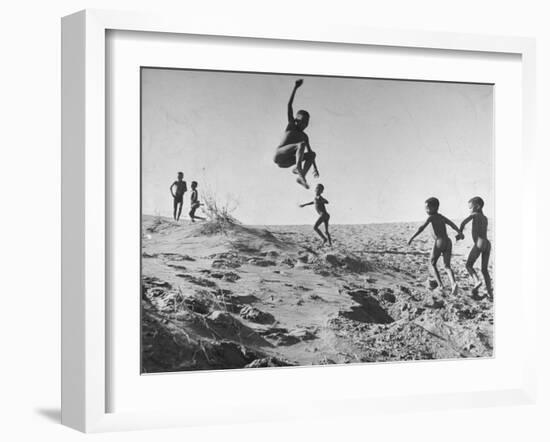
<point x="219" y="215"/>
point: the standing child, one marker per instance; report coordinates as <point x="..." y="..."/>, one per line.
<point x="294" y="148"/>
<point x="482" y="246"/>
<point x="181" y="188"/>
<point x="324" y="217"/>
<point x="195" y="204"/>
<point x="442" y="245"/>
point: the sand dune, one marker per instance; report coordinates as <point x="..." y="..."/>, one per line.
<point x="233" y="296"/>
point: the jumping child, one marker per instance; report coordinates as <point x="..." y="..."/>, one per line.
<point x="482" y="246"/>
<point x="181" y="188"/>
<point x="195" y="203"/>
<point x="324" y="217"/>
<point x="294" y="148"/>
<point x="442" y="245"/>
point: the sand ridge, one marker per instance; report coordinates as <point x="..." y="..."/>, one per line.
<point x="256" y="296"/>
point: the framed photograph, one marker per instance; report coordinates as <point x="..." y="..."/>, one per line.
<point x="314" y="218"/>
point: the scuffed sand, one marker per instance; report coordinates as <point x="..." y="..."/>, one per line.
<point x="246" y="296"/>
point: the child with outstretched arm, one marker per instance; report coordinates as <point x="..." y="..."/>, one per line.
<point x="180" y="189"/>
<point x="482" y="246"/>
<point x="442" y="245"/>
<point x="324" y="217"/>
<point x="294" y="149"/>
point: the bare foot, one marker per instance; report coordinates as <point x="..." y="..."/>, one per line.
<point x="295" y="171"/>
<point x="475" y="295"/>
<point x="302" y="182"/>
<point x="477" y="286"/>
<point x="431" y="284"/>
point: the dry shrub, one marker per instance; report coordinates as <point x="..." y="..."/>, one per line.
<point x="219" y="215"/>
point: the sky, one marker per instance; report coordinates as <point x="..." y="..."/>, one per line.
<point x="383" y="146"/>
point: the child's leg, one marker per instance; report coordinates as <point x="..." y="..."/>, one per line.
<point x="300" y="158"/>
<point x="485" y="269"/>
<point x="326" y="230"/>
<point x="316" y="228"/>
<point x="285" y="156"/>
<point x="309" y="160"/>
<point x="192" y="213"/>
<point x="303" y="159"/>
<point x="436" y="252"/>
<point x="175" y="207"/>
<point x="290" y="155"/>
<point x="180" y="206"/>
<point x="447" y="262"/>
<point x="472" y="257"/>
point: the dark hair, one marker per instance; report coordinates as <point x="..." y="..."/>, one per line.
<point x="194" y="183"/>
<point x="180" y="173"/>
<point x="477" y="201"/>
<point x="305" y="113"/>
<point x="321" y="187"/>
<point x="433" y="202"/>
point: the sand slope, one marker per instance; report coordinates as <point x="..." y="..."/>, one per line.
<point x="242" y="296"/>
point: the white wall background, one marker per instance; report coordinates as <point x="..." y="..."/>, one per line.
<point x="30" y="221"/>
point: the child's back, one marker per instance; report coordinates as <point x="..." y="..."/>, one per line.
<point x="443" y="244"/>
<point x="479" y="227"/>
<point x="438" y="223"/>
<point x="482" y="246"/>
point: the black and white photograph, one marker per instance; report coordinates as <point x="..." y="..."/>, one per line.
<point x="299" y="220"/>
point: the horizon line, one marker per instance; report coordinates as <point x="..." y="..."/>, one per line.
<point x="308" y="224"/>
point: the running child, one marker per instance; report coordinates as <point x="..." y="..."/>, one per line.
<point x="294" y="149"/>
<point x="181" y="188"/>
<point x="482" y="246"/>
<point x="442" y="245"/>
<point x="324" y="217"/>
<point x="195" y="203"/>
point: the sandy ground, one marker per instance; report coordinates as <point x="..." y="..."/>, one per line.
<point x="232" y="296"/>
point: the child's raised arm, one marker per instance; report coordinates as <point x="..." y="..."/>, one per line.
<point x="306" y="204"/>
<point x="290" y="111"/>
<point x="420" y="230"/>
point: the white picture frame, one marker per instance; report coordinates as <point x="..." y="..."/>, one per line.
<point x="85" y="203"/>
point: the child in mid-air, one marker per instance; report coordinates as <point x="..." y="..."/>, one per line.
<point x="294" y="148"/>
<point x="482" y="246"/>
<point x="442" y="245"/>
<point x="324" y="217"/>
<point x="195" y="203"/>
<point x="181" y="188"/>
